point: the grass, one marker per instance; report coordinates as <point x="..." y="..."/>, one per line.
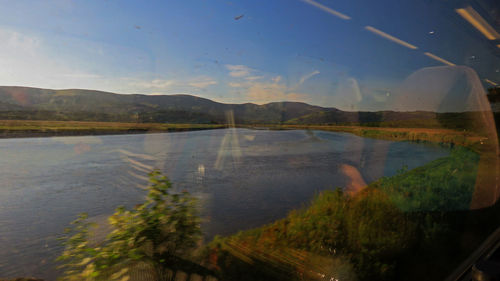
<point x="32" y="127"/>
<point x="28" y="127"/>
<point x="387" y="231"/>
<point x="445" y="136"/>
<point x="445" y="184"/>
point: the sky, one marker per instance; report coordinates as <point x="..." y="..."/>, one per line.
<point x="348" y="54"/>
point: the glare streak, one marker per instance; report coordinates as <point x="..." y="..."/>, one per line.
<point x="491" y="82"/>
<point x="434" y="57"/>
<point x="390" y="37"/>
<point x="138" y="176"/>
<point x="140" y="169"/>
<point x="229" y="143"/>
<point x="139" y="155"/>
<point x="470" y="15"/>
<point x="328" y="10"/>
<point x="137" y="163"/>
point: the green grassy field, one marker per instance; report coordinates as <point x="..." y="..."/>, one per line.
<point x="406" y="227"/>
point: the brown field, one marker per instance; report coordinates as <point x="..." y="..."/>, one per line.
<point x="447" y="136"/>
<point x="29" y="128"/>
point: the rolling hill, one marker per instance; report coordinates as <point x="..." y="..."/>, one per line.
<point x="88" y="105"/>
<point x="27" y="103"/>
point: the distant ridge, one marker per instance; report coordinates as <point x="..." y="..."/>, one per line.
<point x="91" y="105"/>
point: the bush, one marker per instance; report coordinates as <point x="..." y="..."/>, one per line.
<point x="157" y="234"/>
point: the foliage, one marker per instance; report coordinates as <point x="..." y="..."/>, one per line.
<point x="377" y="232"/>
<point x="440" y="136"/>
<point x="365" y="232"/>
<point x="441" y="185"/>
<point x="158" y="232"/>
<point x="494" y="94"/>
<point x="470" y="121"/>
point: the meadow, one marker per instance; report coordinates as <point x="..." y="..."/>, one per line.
<point x="14" y="128"/>
<point x="411" y="226"/>
<point x="31" y="128"/>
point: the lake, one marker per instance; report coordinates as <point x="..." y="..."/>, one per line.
<point x="243" y="178"/>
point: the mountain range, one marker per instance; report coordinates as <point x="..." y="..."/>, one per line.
<point x="90" y="105"/>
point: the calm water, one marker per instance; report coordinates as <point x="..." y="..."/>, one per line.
<point x="244" y="178"/>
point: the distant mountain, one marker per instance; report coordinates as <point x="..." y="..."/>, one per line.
<point x="89" y="105"/>
<point x="75" y="104"/>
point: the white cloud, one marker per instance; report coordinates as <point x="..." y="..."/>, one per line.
<point x="264" y="89"/>
<point x="154" y="84"/>
<point x="17" y="42"/>
<point x="272" y="92"/>
<point x="252" y="78"/>
<point x="79" y="75"/>
<point x="238" y="70"/>
<point x="202" y="83"/>
<point x="28" y="59"/>
<point x="235" y="85"/>
<point x="171" y="84"/>
<point x="24" y="61"/>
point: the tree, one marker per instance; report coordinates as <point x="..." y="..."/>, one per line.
<point x="494" y="94"/>
<point x="159" y="234"/>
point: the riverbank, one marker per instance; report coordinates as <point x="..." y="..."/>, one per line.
<point x="29" y="128"/>
<point x="33" y="128"/>
<point x="443" y="136"/>
<point x="22" y="279"/>
<point x="411" y="226"/>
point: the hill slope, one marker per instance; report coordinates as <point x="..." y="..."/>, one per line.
<point x="89" y="105"/>
<point x="75" y="104"/>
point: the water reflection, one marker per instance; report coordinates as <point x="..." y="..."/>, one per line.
<point x="281" y="171"/>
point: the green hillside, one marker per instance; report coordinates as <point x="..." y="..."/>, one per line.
<point x="89" y="105"/>
<point x="24" y="103"/>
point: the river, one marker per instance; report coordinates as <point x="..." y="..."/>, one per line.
<point x="243" y="178"/>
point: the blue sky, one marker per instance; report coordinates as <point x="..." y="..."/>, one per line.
<point x="348" y="54"/>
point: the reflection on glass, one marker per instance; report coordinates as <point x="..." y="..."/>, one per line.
<point x="289" y="140"/>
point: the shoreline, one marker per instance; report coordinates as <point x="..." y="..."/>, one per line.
<point x="82" y="133"/>
<point x="359" y="131"/>
<point x="36" y="129"/>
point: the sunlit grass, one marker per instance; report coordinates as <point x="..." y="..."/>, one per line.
<point x="434" y="135"/>
<point x="373" y="232"/>
<point x="449" y="136"/>
<point x="7" y="126"/>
